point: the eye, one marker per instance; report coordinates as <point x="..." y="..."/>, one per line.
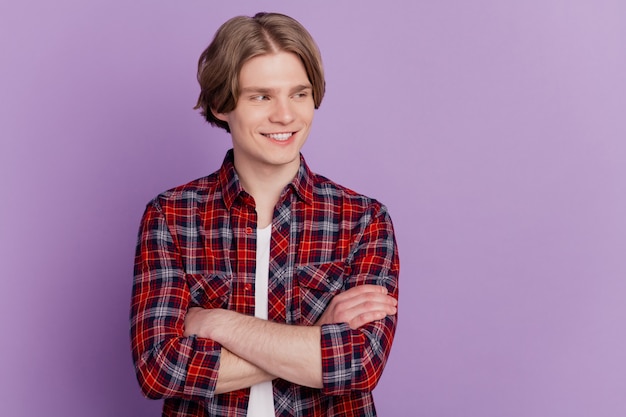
<point x="301" y="95"/>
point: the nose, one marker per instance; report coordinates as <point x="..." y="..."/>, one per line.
<point x="282" y="111"/>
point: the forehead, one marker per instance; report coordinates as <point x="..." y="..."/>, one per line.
<point x="273" y="71"/>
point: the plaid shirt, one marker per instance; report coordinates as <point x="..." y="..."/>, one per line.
<point x="197" y="247"/>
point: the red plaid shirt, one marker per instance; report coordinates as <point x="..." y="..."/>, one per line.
<point x="197" y="247"/>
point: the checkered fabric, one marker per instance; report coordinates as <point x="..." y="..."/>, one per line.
<point x="197" y="246"/>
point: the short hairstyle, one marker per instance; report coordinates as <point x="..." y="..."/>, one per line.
<point x="242" y="38"/>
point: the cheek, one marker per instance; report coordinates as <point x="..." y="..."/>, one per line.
<point x="251" y="118"/>
<point x="307" y="114"/>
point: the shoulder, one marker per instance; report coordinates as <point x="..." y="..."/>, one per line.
<point x="193" y="193"/>
<point x="328" y="192"/>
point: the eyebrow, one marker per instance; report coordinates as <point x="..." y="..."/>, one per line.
<point x="262" y="90"/>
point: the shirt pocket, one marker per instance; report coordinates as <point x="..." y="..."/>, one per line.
<point x="209" y="290"/>
<point x="317" y="284"/>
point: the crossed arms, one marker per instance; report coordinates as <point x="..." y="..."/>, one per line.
<point x="255" y="350"/>
<point x="193" y="353"/>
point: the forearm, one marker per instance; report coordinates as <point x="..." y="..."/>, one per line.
<point x="290" y="352"/>
<point x="236" y="373"/>
<point x="353" y="358"/>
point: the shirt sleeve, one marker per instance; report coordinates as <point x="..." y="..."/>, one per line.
<point x="353" y="360"/>
<point x="167" y="364"/>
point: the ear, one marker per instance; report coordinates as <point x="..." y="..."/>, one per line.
<point x="220" y="116"/>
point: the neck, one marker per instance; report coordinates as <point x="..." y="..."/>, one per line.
<point x="265" y="184"/>
<point x="258" y="181"/>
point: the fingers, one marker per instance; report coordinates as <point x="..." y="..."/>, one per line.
<point x="360" y="293"/>
<point x="370" y="310"/>
<point x="368" y="297"/>
<point x="360" y="305"/>
<point x="365" y="318"/>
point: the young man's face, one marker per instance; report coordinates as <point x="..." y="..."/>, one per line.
<point x="274" y="112"/>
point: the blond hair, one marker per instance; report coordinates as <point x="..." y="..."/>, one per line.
<point x="242" y="38"/>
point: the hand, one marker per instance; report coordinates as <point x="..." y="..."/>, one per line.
<point x="205" y="322"/>
<point x="358" y="306"/>
<point x="195" y="322"/>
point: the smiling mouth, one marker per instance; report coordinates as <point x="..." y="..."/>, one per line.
<point x="281" y="137"/>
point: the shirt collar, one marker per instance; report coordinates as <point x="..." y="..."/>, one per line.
<point x="302" y="184"/>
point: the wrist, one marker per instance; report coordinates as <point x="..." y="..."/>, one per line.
<point x="202" y="322"/>
<point x="216" y="324"/>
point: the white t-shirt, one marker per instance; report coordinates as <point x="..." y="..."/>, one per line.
<point x="261" y="395"/>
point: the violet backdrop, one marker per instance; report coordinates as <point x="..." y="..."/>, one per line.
<point x="495" y="132"/>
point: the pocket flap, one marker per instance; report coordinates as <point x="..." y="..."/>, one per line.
<point x="327" y="277"/>
<point x="208" y="286"/>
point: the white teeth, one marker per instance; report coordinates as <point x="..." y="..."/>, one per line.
<point x="279" y="136"/>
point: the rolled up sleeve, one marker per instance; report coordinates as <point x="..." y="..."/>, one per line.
<point x="353" y="360"/>
<point x="167" y="364"/>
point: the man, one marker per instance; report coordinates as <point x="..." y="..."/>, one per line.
<point x="263" y="289"/>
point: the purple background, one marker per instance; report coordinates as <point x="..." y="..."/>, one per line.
<point x="495" y="132"/>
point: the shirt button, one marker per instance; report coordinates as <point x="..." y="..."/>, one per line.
<point x="247" y="287"/>
<point x="248" y="230"/>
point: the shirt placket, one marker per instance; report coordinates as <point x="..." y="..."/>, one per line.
<point x="243" y="254"/>
<point x="281" y="306"/>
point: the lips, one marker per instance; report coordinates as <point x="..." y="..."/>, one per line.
<point x="281" y="137"/>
